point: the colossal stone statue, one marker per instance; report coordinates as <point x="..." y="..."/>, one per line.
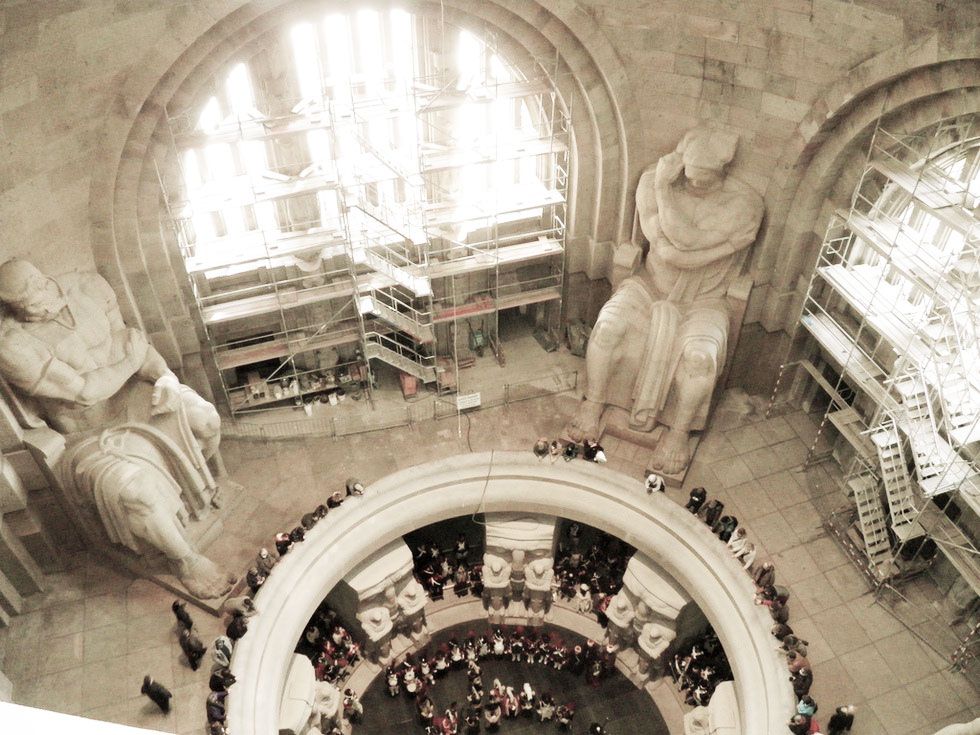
<point x="659" y="343"/>
<point x="138" y="440"/>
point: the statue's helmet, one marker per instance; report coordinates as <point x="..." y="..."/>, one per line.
<point x="16" y="277"/>
<point x="708" y="148"/>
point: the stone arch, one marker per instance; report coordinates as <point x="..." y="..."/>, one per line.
<point x="935" y="75"/>
<point x="140" y="260"/>
<point x="498" y="481"/>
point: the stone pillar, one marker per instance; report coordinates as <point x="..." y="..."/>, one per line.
<point x="377" y="628"/>
<point x="520" y="550"/>
<point x="650" y="647"/>
<point x="537" y="588"/>
<point x="620" y="613"/>
<point x="380" y="599"/>
<point x="643" y="616"/>
<point x="411" y="604"/>
<point x="496" y="587"/>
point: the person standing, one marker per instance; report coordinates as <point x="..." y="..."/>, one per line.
<point x="655" y="483"/>
<point x="696" y="499"/>
<point x="842" y="720"/>
<point x="157" y="692"/>
<point x="184" y="619"/>
<point x="192" y="647"/>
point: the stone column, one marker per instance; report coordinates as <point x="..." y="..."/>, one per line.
<point x="377" y="628"/>
<point x="643" y="616"/>
<point x="411" y="604"/>
<point x="380" y="599"/>
<point x="650" y="647"/>
<point x="522" y="546"/>
<point x="620" y="613"/>
<point x="537" y="588"/>
<point x="496" y="587"/>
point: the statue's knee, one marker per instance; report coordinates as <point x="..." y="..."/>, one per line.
<point x="608" y="333"/>
<point x="203" y="417"/>
<point x="698" y="362"/>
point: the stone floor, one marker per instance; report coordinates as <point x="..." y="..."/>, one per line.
<point x="83" y="646"/>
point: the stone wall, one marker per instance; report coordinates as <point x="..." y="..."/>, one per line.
<point x="83" y="85"/>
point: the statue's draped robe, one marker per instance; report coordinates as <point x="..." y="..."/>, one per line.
<point x="670" y="308"/>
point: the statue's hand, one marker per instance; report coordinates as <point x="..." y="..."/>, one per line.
<point x="166" y="394"/>
<point x="669" y="169"/>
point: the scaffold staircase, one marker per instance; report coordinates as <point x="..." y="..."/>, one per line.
<point x="960" y="395"/>
<point x="398" y="315"/>
<point x="378" y="346"/>
<point x="900" y="488"/>
<point x="394" y="266"/>
<point x="871" y="518"/>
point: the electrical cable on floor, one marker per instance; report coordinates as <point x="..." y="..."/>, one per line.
<point x="483" y="495"/>
<point x="468" y="426"/>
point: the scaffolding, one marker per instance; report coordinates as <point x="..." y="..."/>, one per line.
<point x="889" y="332"/>
<point x="371" y="253"/>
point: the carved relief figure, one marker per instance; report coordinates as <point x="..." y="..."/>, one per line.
<point x="620" y="614"/>
<point x="65" y="349"/>
<point x="659" y="344"/>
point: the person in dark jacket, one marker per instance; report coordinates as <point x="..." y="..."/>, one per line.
<point x="842" y="720"/>
<point x="237" y="627"/>
<point x="802" y="680"/>
<point x="221" y="679"/>
<point x="696" y="499"/>
<point x="712" y="511"/>
<point x="157" y="692"/>
<point x="192" y="647"/>
<point x="184" y="618"/>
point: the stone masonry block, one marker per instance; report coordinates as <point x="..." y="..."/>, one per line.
<point x="11" y="601"/>
<point x="16" y="563"/>
<point x="13" y="494"/>
<point x="27" y="470"/>
<point x="11" y="434"/>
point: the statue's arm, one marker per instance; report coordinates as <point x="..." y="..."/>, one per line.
<point x="154" y="366"/>
<point x="98" y="288"/>
<point x="30" y="365"/>
<point x="746" y="218"/>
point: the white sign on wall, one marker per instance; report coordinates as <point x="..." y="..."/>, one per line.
<point x="470" y="400"/>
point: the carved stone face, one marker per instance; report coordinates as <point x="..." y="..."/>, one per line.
<point x="34" y="296"/>
<point x="700" y="178"/>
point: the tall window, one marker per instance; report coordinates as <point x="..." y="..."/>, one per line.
<point x="376" y="97"/>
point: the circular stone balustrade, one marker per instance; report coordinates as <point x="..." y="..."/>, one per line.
<point x="500" y="482"/>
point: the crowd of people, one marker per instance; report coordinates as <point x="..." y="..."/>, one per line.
<point x="698" y="667"/>
<point x="590" y="450"/>
<point x="416" y="676"/>
<point x="588" y="573"/>
<point x="436" y="568"/>
<point x="237" y="612"/>
<point x="330" y="646"/>
<point x="775" y="597"/>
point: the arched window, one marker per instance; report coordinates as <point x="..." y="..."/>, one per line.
<point x="356" y="182"/>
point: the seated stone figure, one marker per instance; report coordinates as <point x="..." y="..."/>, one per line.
<point x="659" y="344"/>
<point x="138" y="441"/>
